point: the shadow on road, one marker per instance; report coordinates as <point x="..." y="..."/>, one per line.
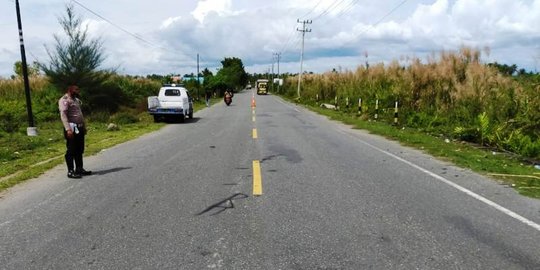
<point x="223" y="204"/>
<point x="103" y="172"/>
<point x="176" y="121"/>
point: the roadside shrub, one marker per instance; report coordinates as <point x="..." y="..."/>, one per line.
<point x="522" y="144"/>
<point x="123" y="118"/>
<point x="12" y="116"/>
<point x="46" y="104"/>
<point x="99" y="116"/>
<point x="107" y="97"/>
<point x="469" y="134"/>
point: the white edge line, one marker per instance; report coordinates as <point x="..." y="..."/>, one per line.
<point x="288" y="105"/>
<point x="454" y="185"/>
<point x="460" y="188"/>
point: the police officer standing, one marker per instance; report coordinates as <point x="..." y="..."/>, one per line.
<point x="74" y="131"/>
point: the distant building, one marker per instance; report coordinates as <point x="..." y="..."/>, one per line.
<point x="194" y="78"/>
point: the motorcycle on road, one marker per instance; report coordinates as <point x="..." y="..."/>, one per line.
<point x="227" y="98"/>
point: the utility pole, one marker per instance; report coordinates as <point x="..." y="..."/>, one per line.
<point x="198" y="80"/>
<point x="278" y="56"/>
<point x="272" y="74"/>
<point x="304" y="30"/>
<point x="31" y="130"/>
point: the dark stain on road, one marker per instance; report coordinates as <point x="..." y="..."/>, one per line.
<point x="223" y="205"/>
<point x="290" y="154"/>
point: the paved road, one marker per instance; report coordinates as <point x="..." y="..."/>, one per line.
<point x="332" y="198"/>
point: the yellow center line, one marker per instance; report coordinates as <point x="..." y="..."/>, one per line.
<point x="254" y="133"/>
<point x="257" y="179"/>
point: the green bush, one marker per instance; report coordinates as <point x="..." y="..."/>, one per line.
<point x="12" y="115"/>
<point x="99" y="116"/>
<point x="46" y="105"/>
<point x="123" y="118"/>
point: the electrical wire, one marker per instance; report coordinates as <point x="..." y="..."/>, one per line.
<point x="344" y="5"/>
<point x="331" y="7"/>
<point x="348" y="8"/>
<point x="121" y="28"/>
<point x="313" y="9"/>
<point x="389" y="13"/>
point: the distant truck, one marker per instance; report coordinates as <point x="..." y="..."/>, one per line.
<point x="261" y="86"/>
<point x="172" y="101"/>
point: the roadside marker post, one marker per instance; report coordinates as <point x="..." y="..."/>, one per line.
<point x="360" y="106"/>
<point x="396" y="113"/>
<point x="376" y="109"/>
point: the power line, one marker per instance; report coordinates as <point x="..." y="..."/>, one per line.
<point x="348" y="8"/>
<point x="292" y="39"/>
<point x="119" y="27"/>
<point x="339" y="10"/>
<point x="391" y="11"/>
<point x="334" y="5"/>
<point x="313" y="9"/>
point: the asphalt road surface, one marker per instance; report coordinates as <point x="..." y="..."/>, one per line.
<point x="331" y="197"/>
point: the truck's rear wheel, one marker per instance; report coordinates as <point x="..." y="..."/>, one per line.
<point x="181" y="118"/>
<point x="191" y="114"/>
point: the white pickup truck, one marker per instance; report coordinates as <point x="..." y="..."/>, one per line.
<point x="172" y="101"/>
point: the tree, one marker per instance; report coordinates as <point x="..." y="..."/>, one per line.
<point x="77" y="60"/>
<point x="33" y="70"/>
<point x="232" y="74"/>
<point x="504" y="68"/>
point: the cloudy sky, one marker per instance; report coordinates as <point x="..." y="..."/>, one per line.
<point x="165" y="36"/>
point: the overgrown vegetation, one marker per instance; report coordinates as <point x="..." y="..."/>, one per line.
<point x="508" y="169"/>
<point x="452" y="94"/>
<point x="107" y="98"/>
<point x="33" y="155"/>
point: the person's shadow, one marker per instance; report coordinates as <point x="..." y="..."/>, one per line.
<point x="112" y="170"/>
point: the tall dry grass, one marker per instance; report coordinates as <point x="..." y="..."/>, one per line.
<point x="13" y="89"/>
<point x="445" y="92"/>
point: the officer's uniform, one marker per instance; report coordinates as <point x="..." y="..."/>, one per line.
<point x="72" y="119"/>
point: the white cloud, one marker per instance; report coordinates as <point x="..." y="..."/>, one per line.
<point x="169" y="21"/>
<point x="204" y="7"/>
<point x="170" y="35"/>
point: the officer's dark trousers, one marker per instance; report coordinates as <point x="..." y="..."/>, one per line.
<point x="75" y="150"/>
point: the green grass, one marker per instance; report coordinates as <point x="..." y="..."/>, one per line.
<point x="462" y="154"/>
<point x="23" y="157"/>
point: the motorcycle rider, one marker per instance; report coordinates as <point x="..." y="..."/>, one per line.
<point x="227" y="97"/>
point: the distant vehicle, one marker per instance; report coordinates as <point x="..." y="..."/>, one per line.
<point x="261" y="86"/>
<point x="227" y="97"/>
<point x="248" y="86"/>
<point x="172" y="101"/>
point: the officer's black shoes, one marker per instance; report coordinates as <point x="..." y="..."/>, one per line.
<point x="72" y="174"/>
<point x="78" y="173"/>
<point x="84" y="172"/>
